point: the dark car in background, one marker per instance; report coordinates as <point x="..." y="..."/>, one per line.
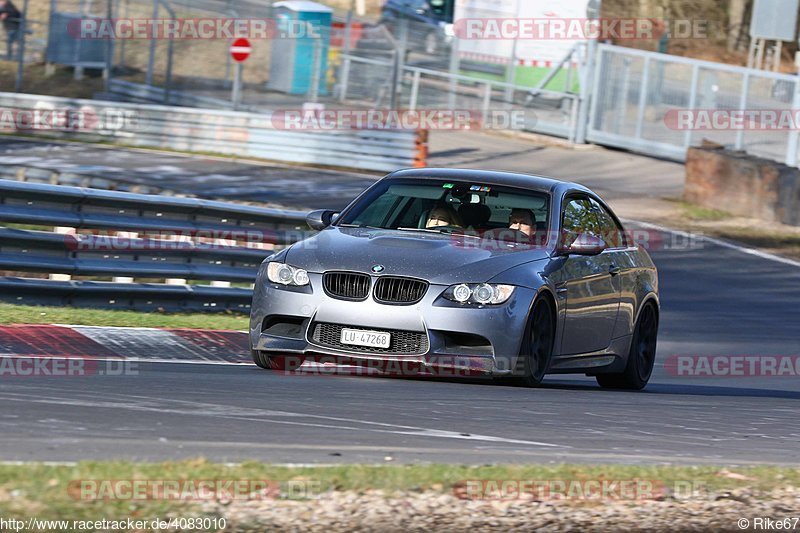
<point x="430" y="22"/>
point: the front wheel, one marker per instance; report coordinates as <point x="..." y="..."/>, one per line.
<point x="261" y="360"/>
<point x="641" y="357"/>
<point x="537" y="347"/>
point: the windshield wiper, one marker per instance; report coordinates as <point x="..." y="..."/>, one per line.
<point x="364" y="226"/>
<point x="425" y="230"/>
<point x="441" y="231"/>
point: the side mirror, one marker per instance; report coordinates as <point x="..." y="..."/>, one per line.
<point x="320" y="219"/>
<point x="584" y="245"/>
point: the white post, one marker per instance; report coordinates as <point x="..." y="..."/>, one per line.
<point x="62" y="230"/>
<point x="125" y="235"/>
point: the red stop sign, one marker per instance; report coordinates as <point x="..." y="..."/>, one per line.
<point x="240" y="50"/>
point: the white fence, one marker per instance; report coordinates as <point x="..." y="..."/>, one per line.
<point x="636" y="95"/>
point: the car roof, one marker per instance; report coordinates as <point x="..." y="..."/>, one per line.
<point x="492" y="177"/>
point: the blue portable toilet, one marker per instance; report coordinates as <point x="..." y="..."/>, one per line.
<point x="303" y="28"/>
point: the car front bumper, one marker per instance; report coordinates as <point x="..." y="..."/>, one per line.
<point x="462" y="340"/>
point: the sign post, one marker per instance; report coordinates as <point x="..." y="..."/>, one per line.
<point x="240" y="50"/>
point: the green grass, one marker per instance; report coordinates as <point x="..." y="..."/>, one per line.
<point x="50" y="491"/>
<point x="702" y="214"/>
<point x="24" y="314"/>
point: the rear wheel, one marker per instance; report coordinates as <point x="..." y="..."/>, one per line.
<point x="641" y="357"/>
<point x="537" y="347"/>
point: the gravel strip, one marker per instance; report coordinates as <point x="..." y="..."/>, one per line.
<point x="435" y="511"/>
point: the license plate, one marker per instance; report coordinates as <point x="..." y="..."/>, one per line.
<point x="360" y="337"/>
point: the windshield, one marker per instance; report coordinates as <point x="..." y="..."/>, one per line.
<point x="452" y="207"/>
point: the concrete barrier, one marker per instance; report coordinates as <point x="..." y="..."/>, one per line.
<point x="742" y="184"/>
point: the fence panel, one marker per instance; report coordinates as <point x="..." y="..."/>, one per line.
<point x="638" y="95"/>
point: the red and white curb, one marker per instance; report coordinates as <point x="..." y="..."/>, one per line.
<point x="133" y="344"/>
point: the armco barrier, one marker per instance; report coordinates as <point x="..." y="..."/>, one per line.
<point x="182" y="239"/>
<point x="226" y="132"/>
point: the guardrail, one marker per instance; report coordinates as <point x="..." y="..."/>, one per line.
<point x="129" y="237"/>
<point x="126" y="91"/>
<point x="218" y="131"/>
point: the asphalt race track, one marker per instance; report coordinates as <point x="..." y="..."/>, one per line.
<point x="715" y="301"/>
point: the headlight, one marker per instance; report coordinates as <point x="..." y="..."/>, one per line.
<point x="287" y="274"/>
<point x="479" y="293"/>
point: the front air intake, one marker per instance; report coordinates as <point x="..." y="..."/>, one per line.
<point x="346" y="285"/>
<point x="392" y="290"/>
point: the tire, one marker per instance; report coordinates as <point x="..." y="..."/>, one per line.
<point x="641" y="357"/>
<point x="261" y="360"/>
<point x="537" y="346"/>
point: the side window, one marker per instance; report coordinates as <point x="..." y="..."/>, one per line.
<point x="579" y="220"/>
<point x="610" y="230"/>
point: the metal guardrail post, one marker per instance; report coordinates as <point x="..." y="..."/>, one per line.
<point x="794" y="137"/>
<point x="589" y="81"/>
<point x="487" y="101"/>
<point x="107" y="72"/>
<point x="742" y="105"/>
<point x="170" y="54"/>
<point x="395" y="80"/>
<point x="412" y="104"/>
<point x="315" y="71"/>
<point x="511" y="73"/>
<point x="643" y="87"/>
<point x="687" y="140"/>
<point x="622" y="101"/>
<point x="345" y="79"/>
<point x="21" y="31"/>
<point x="152" y="58"/>
<point x="573" y="119"/>
<point x="455" y="67"/>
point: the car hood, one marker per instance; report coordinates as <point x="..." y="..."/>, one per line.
<point x="439" y="259"/>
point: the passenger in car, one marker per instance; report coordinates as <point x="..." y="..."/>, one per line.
<point x="443" y="215"/>
<point x="522" y="220"/>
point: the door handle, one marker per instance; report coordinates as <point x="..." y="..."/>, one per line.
<point x="614" y="270"/>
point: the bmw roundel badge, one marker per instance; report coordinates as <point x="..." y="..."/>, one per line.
<point x="377" y="269"/>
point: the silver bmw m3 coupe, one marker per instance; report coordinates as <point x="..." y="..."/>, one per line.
<point x="463" y="272"/>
